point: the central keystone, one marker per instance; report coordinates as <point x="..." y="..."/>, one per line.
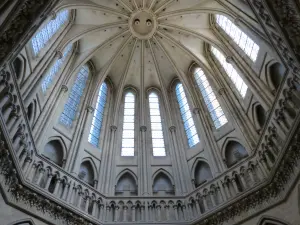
<point x="143" y="24"/>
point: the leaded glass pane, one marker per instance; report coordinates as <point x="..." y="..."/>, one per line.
<point x="40" y="40"/>
<point x="98" y="116"/>
<point x="158" y="143"/>
<point x="71" y="107"/>
<point x="128" y="125"/>
<point x="239" y="37"/>
<point x="231" y="72"/>
<point x="186" y="116"/>
<point x="210" y="99"/>
<point x="55" y="68"/>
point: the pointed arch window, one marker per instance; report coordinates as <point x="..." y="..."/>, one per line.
<point x="156" y="126"/>
<point x="187" y="118"/>
<point x="231" y="72"/>
<point x="212" y="103"/>
<point x="71" y="107"/>
<point x="98" y="116"/>
<point x="128" y="125"/>
<point x="42" y="37"/>
<point x="55" y="68"/>
<point x="239" y="37"/>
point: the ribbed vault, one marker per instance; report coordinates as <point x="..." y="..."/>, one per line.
<point x="105" y="32"/>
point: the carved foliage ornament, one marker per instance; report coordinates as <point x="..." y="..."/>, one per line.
<point x="22" y="20"/>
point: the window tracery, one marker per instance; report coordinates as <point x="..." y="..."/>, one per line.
<point x="42" y="37"/>
<point x="52" y="72"/>
<point x="238" y="36"/>
<point x="158" y="143"/>
<point x="128" y="125"/>
<point x="186" y="116"/>
<point x="71" y="107"/>
<point x="210" y="99"/>
<point x="240" y="85"/>
<point x="98" y="116"/>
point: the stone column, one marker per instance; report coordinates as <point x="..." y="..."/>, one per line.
<point x="184" y="212"/>
<point x="111" y="149"/>
<point x="250" y="172"/>
<point x="211" y="194"/>
<point x="96" y="184"/>
<point x="144" y="166"/>
<point x="228" y="195"/>
<point x="80" y="196"/>
<point x="177" y="158"/>
<point x="158" y="209"/>
<point x="125" y="213"/>
<point x="40" y="176"/>
<point x="116" y="214"/>
<point x="57" y="185"/>
<point x="242" y="176"/>
<point x="32" y="172"/>
<point x="263" y="166"/>
<point x="49" y="178"/>
<point x="133" y="213"/>
<point x="198" y="207"/>
<point x="143" y="213"/>
<point x="28" y="160"/>
<point x="175" y="212"/>
<point x="268" y="159"/>
<point x="101" y="213"/>
<point x="107" y="214"/>
<point x="205" y="203"/>
<point x="95" y="207"/>
<point x="87" y="203"/>
<point x="65" y="192"/>
<point x="234" y="184"/>
<point x="167" y="208"/>
<point x="71" y="193"/>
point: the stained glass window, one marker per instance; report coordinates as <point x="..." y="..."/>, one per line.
<point x="55" y="68"/>
<point x="239" y="37"/>
<point x="156" y="126"/>
<point x="128" y="125"/>
<point x="231" y="72"/>
<point x="98" y="116"/>
<point x="187" y="118"/>
<point x="71" y="107"/>
<point x="41" y="38"/>
<point x="212" y="103"/>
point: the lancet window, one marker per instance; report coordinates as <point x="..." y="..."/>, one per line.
<point x="96" y="126"/>
<point x="186" y="116"/>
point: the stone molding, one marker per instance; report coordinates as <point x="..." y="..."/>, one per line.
<point x="271" y="193"/>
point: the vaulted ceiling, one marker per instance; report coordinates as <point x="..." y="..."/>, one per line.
<point x="116" y="37"/>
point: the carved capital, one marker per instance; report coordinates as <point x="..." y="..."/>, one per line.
<point x="90" y="109"/>
<point x="196" y="111"/>
<point x="53" y="15"/>
<point x="229" y="59"/>
<point x="143" y="128"/>
<point x="221" y="91"/>
<point x="59" y="54"/>
<point x="237" y="21"/>
<point x="172" y="129"/>
<point x="113" y="128"/>
<point x="64" y="88"/>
